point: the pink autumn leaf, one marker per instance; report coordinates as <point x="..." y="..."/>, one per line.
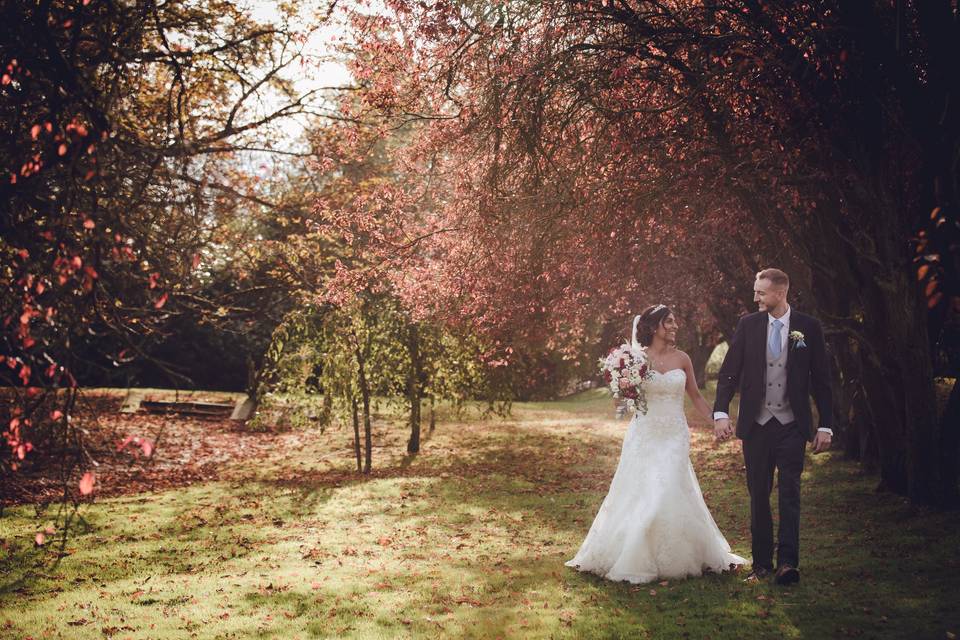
<point x="86" y="483"/>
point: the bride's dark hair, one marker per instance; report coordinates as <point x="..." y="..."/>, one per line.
<point x="650" y="319"/>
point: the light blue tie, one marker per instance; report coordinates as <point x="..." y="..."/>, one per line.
<point x="775" y="338"/>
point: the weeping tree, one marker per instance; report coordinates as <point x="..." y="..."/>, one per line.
<point x="369" y="352"/>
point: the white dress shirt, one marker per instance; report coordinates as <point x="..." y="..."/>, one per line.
<point x="784" y="338"/>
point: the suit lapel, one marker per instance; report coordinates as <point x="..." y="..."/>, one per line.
<point x="760" y="338"/>
<point x="796" y="323"/>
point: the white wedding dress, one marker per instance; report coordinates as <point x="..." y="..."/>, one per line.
<point x="653" y="523"/>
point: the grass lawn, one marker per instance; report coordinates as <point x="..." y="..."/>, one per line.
<point x="468" y="540"/>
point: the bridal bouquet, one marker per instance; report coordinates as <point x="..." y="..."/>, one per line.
<point x="625" y="369"/>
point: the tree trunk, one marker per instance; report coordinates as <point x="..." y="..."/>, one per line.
<point x="413" y="387"/>
<point x="433" y="414"/>
<point x="326" y="411"/>
<point x="365" y="397"/>
<point x="699" y="355"/>
<point x="356" y="430"/>
<point x="900" y="390"/>
<point x="950" y="449"/>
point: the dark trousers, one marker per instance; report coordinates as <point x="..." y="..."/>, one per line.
<point x="782" y="447"/>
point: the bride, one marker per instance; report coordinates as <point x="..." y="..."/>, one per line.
<point x="653" y="523"/>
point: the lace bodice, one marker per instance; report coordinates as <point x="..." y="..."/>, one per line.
<point x="665" y="392"/>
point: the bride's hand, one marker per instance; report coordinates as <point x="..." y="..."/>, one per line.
<point x="721" y="429"/>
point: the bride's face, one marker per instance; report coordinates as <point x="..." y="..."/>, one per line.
<point x="667" y="331"/>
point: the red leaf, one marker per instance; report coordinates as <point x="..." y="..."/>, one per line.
<point x="89" y="224"/>
<point x="35" y="131"/>
<point x="40" y="539"/>
<point x="162" y="300"/>
<point x="62" y="149"/>
<point x="86" y="483"/>
<point x="56" y="414"/>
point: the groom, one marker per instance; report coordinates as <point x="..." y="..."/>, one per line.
<point x="777" y="358"/>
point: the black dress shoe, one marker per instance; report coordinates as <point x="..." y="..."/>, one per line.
<point x="787" y="574"/>
<point x="759" y="574"/>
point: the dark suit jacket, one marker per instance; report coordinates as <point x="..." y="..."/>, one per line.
<point x="808" y="371"/>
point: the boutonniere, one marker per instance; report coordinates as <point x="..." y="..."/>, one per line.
<point x="797" y="338"/>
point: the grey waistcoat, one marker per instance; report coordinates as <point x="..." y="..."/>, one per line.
<point x="775" y="401"/>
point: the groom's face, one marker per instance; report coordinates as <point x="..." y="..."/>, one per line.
<point x="767" y="295"/>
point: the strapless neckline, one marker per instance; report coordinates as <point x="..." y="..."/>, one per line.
<point x="668" y="371"/>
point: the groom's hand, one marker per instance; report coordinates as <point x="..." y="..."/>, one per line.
<point x="721" y="429"/>
<point x="821" y="442"/>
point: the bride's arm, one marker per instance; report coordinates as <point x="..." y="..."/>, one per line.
<point x="694" y="391"/>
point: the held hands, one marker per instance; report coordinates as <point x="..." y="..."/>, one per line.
<point x="821" y="442"/>
<point x="722" y="429"/>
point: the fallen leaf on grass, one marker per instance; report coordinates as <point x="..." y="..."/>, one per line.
<point x="86" y="483"/>
<point x="469" y="601"/>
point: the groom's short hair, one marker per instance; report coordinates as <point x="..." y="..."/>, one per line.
<point x="775" y="276"/>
